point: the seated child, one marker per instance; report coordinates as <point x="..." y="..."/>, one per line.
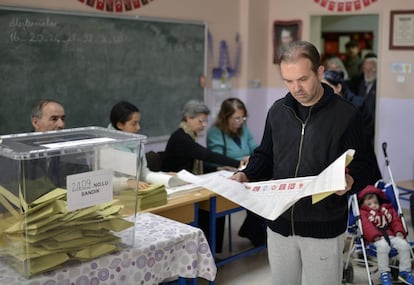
<point x="383" y="227"/>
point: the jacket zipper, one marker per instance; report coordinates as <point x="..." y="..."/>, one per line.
<point x="302" y="134"/>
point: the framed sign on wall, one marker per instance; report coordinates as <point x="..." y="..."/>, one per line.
<point x="402" y="30"/>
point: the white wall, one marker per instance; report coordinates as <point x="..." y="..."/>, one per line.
<point x="397" y="129"/>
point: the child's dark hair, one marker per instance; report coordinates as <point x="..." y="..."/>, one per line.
<point x="121" y="112"/>
<point x="369" y="196"/>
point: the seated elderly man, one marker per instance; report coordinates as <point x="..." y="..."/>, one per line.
<point x="48" y="115"/>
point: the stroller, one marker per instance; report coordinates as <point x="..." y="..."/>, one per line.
<point x="357" y="243"/>
<point x="358" y="246"/>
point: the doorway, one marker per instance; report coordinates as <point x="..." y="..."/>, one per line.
<point x="331" y="33"/>
<point x="344" y="24"/>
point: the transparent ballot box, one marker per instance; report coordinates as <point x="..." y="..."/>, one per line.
<point x="58" y="200"/>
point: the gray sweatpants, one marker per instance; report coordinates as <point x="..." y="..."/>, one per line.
<point x="383" y="249"/>
<point x="320" y="260"/>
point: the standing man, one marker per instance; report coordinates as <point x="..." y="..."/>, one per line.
<point x="353" y="60"/>
<point x="367" y="90"/>
<point x="48" y="115"/>
<point x="306" y="131"/>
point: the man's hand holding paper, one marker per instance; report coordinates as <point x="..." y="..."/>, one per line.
<point x="271" y="198"/>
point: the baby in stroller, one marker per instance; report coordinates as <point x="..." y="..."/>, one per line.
<point x="383" y="227"/>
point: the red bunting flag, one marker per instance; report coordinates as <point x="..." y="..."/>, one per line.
<point x="136" y="4"/>
<point x="341" y="5"/>
<point x="324" y="2"/>
<point x="331" y="6"/>
<point x="357" y="4"/>
<point x="119" y="5"/>
<point x="128" y="5"/>
<point x="100" y="5"/>
<point x="348" y="6"/>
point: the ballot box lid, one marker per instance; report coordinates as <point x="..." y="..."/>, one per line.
<point x="26" y="146"/>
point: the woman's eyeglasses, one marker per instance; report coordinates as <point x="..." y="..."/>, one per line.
<point x="239" y="119"/>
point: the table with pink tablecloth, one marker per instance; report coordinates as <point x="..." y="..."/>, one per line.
<point x="163" y="249"/>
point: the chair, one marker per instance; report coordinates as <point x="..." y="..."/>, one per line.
<point x="155" y="160"/>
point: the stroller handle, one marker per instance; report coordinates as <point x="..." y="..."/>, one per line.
<point x="384" y="150"/>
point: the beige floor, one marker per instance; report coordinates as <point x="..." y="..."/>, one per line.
<point x="254" y="269"/>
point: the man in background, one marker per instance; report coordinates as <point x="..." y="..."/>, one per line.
<point x="48" y="115"/>
<point x="367" y="90"/>
<point x="353" y="60"/>
<point x="51" y="172"/>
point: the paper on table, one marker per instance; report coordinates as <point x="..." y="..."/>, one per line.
<point x="164" y="178"/>
<point x="194" y="180"/>
<point x="270" y="199"/>
<point x="180" y="190"/>
<point x="189" y="177"/>
<point x="198" y="179"/>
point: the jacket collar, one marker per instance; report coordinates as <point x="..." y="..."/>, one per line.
<point x="327" y="96"/>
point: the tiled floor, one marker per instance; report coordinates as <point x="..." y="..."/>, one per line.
<point x="254" y="269"/>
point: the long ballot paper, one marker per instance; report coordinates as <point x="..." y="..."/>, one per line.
<point x="270" y="199"/>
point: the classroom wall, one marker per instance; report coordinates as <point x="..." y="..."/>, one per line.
<point x="258" y="82"/>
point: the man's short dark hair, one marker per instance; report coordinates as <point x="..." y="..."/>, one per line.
<point x="351" y="44"/>
<point x="302" y="49"/>
<point x="370" y="55"/>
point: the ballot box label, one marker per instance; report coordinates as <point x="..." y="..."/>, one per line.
<point x="89" y="189"/>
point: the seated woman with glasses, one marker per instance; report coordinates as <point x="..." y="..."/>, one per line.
<point x="230" y="136"/>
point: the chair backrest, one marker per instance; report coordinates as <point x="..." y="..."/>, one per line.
<point x="390" y="194"/>
<point x="353" y="211"/>
<point x="154" y="160"/>
<point x="388" y="189"/>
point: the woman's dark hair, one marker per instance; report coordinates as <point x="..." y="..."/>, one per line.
<point x="121" y="112"/>
<point x="227" y="109"/>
